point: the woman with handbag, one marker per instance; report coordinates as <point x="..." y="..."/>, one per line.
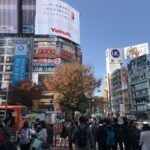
<point x="41" y="141"/>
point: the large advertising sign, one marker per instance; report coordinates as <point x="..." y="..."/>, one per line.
<point x="19" y="69"/>
<point x="9" y="16"/>
<point x="136" y="51"/>
<point x="55" y="17"/>
<point x="113" y="59"/>
<point x="28" y="16"/>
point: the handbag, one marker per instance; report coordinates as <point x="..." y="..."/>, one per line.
<point x="36" y="143"/>
<point x="45" y="145"/>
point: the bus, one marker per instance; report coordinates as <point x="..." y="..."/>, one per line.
<point x="15" y="113"/>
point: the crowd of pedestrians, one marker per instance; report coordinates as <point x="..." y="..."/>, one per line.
<point x="103" y="134"/>
<point x="109" y="134"/>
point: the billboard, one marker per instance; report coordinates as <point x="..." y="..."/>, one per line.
<point x="28" y="16"/>
<point x="136" y="51"/>
<point x="19" y="68"/>
<point x="113" y="59"/>
<point x="137" y="69"/>
<point x="55" y="17"/>
<point x="9" y="16"/>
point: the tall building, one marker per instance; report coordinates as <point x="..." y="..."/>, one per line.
<point x="139" y="82"/>
<point x="39" y="35"/>
<point x="119" y="92"/>
<point x="113" y="62"/>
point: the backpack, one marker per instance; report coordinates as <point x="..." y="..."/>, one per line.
<point x="25" y="136"/>
<point x="82" y="137"/>
<point x="110" y="140"/>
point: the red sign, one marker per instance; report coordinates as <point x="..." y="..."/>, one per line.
<point x="61" y="32"/>
<point x="45" y="51"/>
<point x="46" y="60"/>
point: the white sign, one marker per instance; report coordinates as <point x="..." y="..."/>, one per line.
<point x="55" y="17"/>
<point x="113" y="59"/>
<point x="136" y="51"/>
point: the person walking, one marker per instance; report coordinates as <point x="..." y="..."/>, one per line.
<point x="25" y="136"/>
<point x="42" y="134"/>
<point x="63" y="134"/>
<point x="101" y="135"/>
<point x="110" y="135"/>
<point x="82" y="136"/>
<point x="94" y="131"/>
<point x="145" y="137"/>
<point x="70" y="132"/>
<point x="118" y="134"/>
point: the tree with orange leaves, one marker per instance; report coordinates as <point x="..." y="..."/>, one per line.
<point x="23" y="93"/>
<point x="76" y="83"/>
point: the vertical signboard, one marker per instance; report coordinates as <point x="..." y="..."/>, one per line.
<point x="124" y="78"/>
<point x="19" y="69"/>
<point x="113" y="59"/>
<point x="56" y="17"/>
<point x="9" y="16"/>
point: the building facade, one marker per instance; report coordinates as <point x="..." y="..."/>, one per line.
<point x="139" y="83"/>
<point x="29" y="39"/>
<point x="119" y="92"/>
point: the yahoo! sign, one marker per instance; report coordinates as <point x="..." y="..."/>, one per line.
<point x="61" y="32"/>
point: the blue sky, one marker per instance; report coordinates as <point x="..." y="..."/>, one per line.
<point x="110" y="24"/>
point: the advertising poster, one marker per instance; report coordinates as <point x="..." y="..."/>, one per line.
<point x="113" y="59"/>
<point x="9" y="16"/>
<point x="136" y="51"/>
<point x="19" y="68"/>
<point x="28" y="16"/>
<point x="55" y="17"/>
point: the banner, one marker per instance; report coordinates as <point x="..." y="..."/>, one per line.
<point x="19" y="69"/>
<point x="55" y="17"/>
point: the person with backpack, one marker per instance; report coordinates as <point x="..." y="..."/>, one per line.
<point x="82" y="135"/>
<point x="25" y="136"/>
<point x="110" y="136"/>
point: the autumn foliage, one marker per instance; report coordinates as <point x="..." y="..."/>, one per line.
<point x="75" y="82"/>
<point x="23" y="93"/>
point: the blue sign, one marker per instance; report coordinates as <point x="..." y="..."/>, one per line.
<point x="19" y="68"/>
<point x="115" y="53"/>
